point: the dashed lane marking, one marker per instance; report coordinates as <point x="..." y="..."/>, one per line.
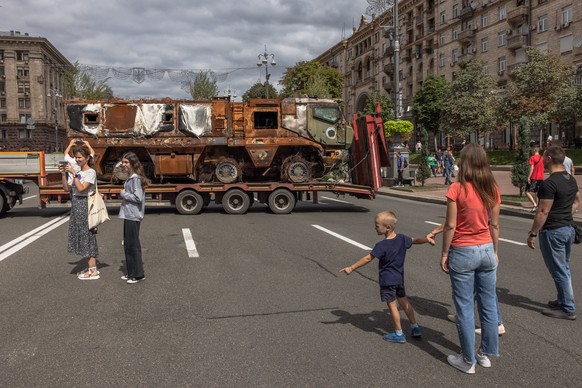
<point x="190" y="244"/>
<point x="335" y="199"/>
<point x="337" y="235"/>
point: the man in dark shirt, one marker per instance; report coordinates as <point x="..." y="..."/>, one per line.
<point x="558" y="200"/>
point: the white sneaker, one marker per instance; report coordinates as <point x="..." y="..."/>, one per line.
<point x="125" y="277"/>
<point x="459" y="362"/>
<point x="483" y="360"/>
<point x="500" y="330"/>
<point x="452" y="317"/>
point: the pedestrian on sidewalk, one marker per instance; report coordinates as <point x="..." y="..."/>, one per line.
<point x="132" y="212"/>
<point x="535" y="177"/>
<point x="469" y="256"/>
<point x="432" y="163"/>
<point x="391" y="253"/>
<point x="401" y="164"/>
<point x="449" y="164"/>
<point x="439" y="162"/>
<point x="558" y="201"/>
<point x="569" y="165"/>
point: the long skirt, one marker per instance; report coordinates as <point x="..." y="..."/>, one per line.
<point x="82" y="241"/>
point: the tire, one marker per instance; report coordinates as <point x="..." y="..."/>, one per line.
<point x="189" y="202"/>
<point x="236" y="201"/>
<point x="228" y="171"/>
<point x="3" y="204"/>
<point x="281" y="201"/>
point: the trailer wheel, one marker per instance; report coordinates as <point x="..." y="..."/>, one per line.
<point x="189" y="202"/>
<point x="281" y="201"/>
<point x="3" y="203"/>
<point x="236" y="201"/>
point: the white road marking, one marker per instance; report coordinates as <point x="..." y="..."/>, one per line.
<point x="190" y="245"/>
<point x="342" y="237"/>
<point x="17" y="244"/>
<point x="32" y="196"/>
<point x="500" y="239"/>
<point x="335" y="199"/>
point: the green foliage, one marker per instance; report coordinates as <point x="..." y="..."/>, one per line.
<point x="204" y="86"/>
<point x="385" y="105"/>
<point x="403" y="128"/>
<point x="520" y="169"/>
<point x="314" y="79"/>
<point x="259" y="90"/>
<point x="473" y="103"/>
<point x="568" y="108"/>
<point x="429" y="101"/>
<point x="424" y="170"/>
<point x="535" y="87"/>
<point x="78" y="84"/>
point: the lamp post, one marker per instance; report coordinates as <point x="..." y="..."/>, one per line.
<point x="264" y="60"/>
<point x="231" y="94"/>
<point x="55" y="93"/>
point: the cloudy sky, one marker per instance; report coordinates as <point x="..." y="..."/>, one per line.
<point x="224" y="36"/>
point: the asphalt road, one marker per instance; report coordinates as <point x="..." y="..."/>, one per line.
<point x="263" y="304"/>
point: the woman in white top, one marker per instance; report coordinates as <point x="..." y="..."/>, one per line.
<point x="82" y="241"/>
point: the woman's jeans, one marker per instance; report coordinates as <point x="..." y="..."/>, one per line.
<point x="473" y="273"/>
<point x="556" y="247"/>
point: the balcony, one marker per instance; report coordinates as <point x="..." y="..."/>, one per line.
<point x="517" y="15"/>
<point x="464" y="59"/>
<point x="466" y="36"/>
<point x="466" y="13"/>
<point x="516" y="42"/>
<point x="419" y="20"/>
<point x="388" y="85"/>
<point x="389" y="51"/>
<point x="389" y="68"/>
<point x="406" y="56"/>
<point x="511" y="67"/>
<point x="577" y="50"/>
<point x="428" y="47"/>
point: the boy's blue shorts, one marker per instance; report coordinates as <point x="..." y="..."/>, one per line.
<point x="390" y="293"/>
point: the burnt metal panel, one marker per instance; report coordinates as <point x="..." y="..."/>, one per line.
<point x="120" y="117"/>
<point x="173" y="165"/>
<point x="261" y="155"/>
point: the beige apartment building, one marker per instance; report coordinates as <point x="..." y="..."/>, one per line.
<point x="31" y="93"/>
<point x="438" y="36"/>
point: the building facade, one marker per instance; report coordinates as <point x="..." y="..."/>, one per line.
<point x="31" y="93"/>
<point x="438" y="36"/>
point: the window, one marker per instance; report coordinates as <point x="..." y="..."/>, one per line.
<point x="502" y="64"/>
<point x="331" y="114"/>
<point x="2" y="102"/>
<point x="2" y="54"/>
<point x="24" y="87"/>
<point x="443" y="17"/>
<point x="485" y="68"/>
<point x="543" y="23"/>
<point x="22" y="56"/>
<point x="24" y="103"/>
<point x="22" y="71"/>
<point x="25" y="133"/>
<point x="265" y="120"/>
<point x="484" y="20"/>
<point x="442" y="39"/>
<point x="455" y="33"/>
<point x="442" y="60"/>
<point x="455" y="55"/>
<point x="502" y="12"/>
<point x="566" y="44"/>
<point x="455" y="11"/>
<point x="567" y="15"/>
<point x="4" y="134"/>
<point x="3" y="118"/>
<point x="24" y="118"/>
<point x="502" y="38"/>
<point x="484" y="45"/>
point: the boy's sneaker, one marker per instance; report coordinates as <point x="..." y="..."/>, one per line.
<point x="135" y="280"/>
<point x="483" y="360"/>
<point x="393" y="337"/>
<point x="459" y="362"/>
<point x="125" y="277"/>
<point x="416" y="332"/>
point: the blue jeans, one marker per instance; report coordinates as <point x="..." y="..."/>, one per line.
<point x="473" y="273"/>
<point x="448" y="173"/>
<point x="556" y="247"/>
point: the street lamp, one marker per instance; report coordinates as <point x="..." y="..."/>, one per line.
<point x="55" y="93"/>
<point x="231" y="94"/>
<point x="264" y="60"/>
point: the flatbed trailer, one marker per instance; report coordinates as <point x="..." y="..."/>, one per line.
<point x="368" y="155"/>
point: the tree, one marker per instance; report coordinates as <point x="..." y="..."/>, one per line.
<point x="314" y="79"/>
<point x="535" y="88"/>
<point x="258" y="90"/>
<point x="204" y="86"/>
<point x="78" y="84"/>
<point x="403" y="128"/>
<point x="520" y="170"/>
<point x="428" y="104"/>
<point x="385" y="105"/>
<point x="472" y="106"/>
<point x="568" y="108"/>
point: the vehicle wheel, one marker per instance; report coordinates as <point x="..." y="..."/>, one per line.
<point x="236" y="201"/>
<point x="281" y="201"/>
<point x="3" y="204"/>
<point x="295" y="169"/>
<point x="189" y="202"/>
<point x="228" y="171"/>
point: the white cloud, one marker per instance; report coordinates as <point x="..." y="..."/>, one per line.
<point x="220" y="35"/>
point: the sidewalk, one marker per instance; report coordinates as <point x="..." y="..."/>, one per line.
<point x="438" y="194"/>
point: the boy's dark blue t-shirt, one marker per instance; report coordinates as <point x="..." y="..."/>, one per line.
<point x="390" y="254"/>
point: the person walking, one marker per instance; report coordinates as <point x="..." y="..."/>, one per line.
<point x="449" y="164"/>
<point x="535" y="177"/>
<point x="432" y="164"/>
<point x="569" y="165"/>
<point x="132" y="212"/>
<point x="553" y="224"/>
<point x="469" y="256"/>
<point x="401" y="164"/>
<point x="439" y="162"/>
<point x="81" y="183"/>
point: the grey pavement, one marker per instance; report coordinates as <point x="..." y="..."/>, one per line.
<point x="502" y="175"/>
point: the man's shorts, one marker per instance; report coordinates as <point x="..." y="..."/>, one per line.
<point x="390" y="293"/>
<point x="533" y="187"/>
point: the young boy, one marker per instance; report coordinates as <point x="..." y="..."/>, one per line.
<point x="391" y="253"/>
